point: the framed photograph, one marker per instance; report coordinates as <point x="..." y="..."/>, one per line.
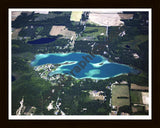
<point x="80" y="64"/>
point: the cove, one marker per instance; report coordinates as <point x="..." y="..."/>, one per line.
<point x="98" y="67"/>
<point x="42" y="41"/>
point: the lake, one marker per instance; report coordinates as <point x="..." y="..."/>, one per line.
<point x="82" y="65"/>
<point x="13" y="78"/>
<point x="42" y="41"/>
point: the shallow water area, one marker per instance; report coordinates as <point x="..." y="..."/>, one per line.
<point x="82" y="65"/>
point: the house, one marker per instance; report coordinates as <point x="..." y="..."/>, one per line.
<point x="135" y="55"/>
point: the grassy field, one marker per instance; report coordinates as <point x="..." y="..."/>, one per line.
<point x="15" y="33"/>
<point x="137" y="87"/>
<point x="39" y="29"/>
<point x="136" y="97"/>
<point x="120" y="91"/>
<point x="137" y="108"/>
<point x="93" y="32"/>
<point x="76" y="16"/>
<point x="62" y="30"/>
<point x="135" y="42"/>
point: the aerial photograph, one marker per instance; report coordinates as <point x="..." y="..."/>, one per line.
<point x="79" y="62"/>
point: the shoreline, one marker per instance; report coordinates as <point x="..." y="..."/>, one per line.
<point x="64" y="63"/>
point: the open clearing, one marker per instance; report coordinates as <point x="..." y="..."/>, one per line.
<point x="15" y="14"/>
<point x="62" y="30"/>
<point x="108" y="19"/>
<point x="137" y="87"/>
<point x="145" y="97"/>
<point x="126" y="16"/>
<point x="120" y="91"/>
<point x="76" y="16"/>
<point x="136" y="97"/>
<point x="96" y="95"/>
<point x="92" y="33"/>
<point x="15" y="33"/>
<point x="135" y="42"/>
<point x="137" y="108"/>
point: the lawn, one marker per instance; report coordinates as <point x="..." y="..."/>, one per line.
<point x="120" y="95"/>
<point x="136" y="97"/>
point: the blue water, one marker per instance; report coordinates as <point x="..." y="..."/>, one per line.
<point x="42" y="41"/>
<point x="97" y="68"/>
<point x="13" y="78"/>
